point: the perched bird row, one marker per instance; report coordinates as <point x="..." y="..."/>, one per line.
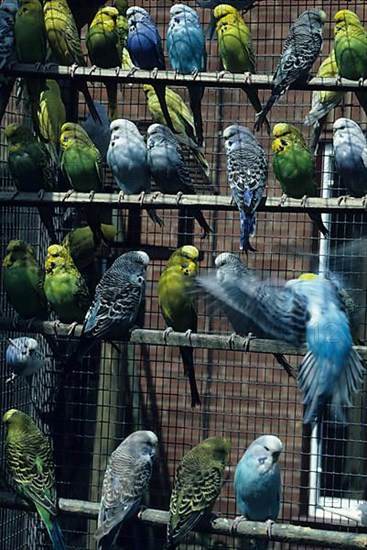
<point x="197" y="484"/>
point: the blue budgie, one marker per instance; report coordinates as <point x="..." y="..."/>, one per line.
<point x="168" y="167"/>
<point x="350" y="151"/>
<point x="126" y="479"/>
<point x="257" y="482"/>
<point x="229" y="265"/>
<point x="145" y="48"/>
<point x="186" y="52"/>
<point x="99" y="133"/>
<point x="247" y="173"/>
<point x="240" y="5"/>
<point x="115" y="307"/>
<point x="23" y="357"/>
<point x="8" y="9"/>
<point x="307" y="310"/>
<point x="127" y="158"/>
<point x="301" y="49"/>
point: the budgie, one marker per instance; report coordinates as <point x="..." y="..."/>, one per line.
<point x="8" y="9"/>
<point x="63" y="37"/>
<point x="99" y="133"/>
<point x="29" y="461"/>
<point x="294" y="167"/>
<point x="236" y="50"/>
<point x="350" y="153"/>
<point x="247" y="174"/>
<point x="115" y="307"/>
<point x="81" y="163"/>
<point x="104" y="49"/>
<point x="29" y="167"/>
<point x="168" y="167"/>
<point x="197" y="484"/>
<point x="126" y="479"/>
<point x="240" y="5"/>
<point x="179" y="306"/>
<point x="23" y="357"/>
<point x="301" y="49"/>
<point x="81" y="246"/>
<point x="229" y="265"/>
<point x="145" y="48"/>
<point x="187" y="55"/>
<point x="51" y="116"/>
<point x="182" y="120"/>
<point x="23" y="280"/>
<point x="302" y="311"/>
<point x="351" y="49"/>
<point x="64" y="286"/>
<point x="257" y="482"/>
<point x="127" y="158"/>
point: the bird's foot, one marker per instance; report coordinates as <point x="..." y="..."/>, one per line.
<point x="121" y="196"/>
<point x="247" y="340"/>
<point x="364" y="202"/>
<point x="304" y="201"/>
<point x="91" y="195"/>
<point x="338" y="80"/>
<point x="141" y="510"/>
<point x="194" y="74"/>
<point x="154" y="72"/>
<point x="132" y="70"/>
<point x="55" y="325"/>
<point x="117" y="70"/>
<point x="283" y="198"/>
<point x="166" y="333"/>
<point x="342" y="199"/>
<point x="247" y="77"/>
<point x="49" y="66"/>
<point x="361" y="81"/>
<point x="13" y="195"/>
<point x="38" y="66"/>
<point x="231" y="340"/>
<point x="155" y="195"/>
<point x="269" y="525"/>
<point x="188" y="334"/>
<point x="221" y="74"/>
<point x="73" y="68"/>
<point x="72" y="327"/>
<point x="41" y="194"/>
<point x="179" y="197"/>
<point x="29" y="323"/>
<point x="141" y="198"/>
<point x="175" y="73"/>
<point x="11" y="378"/>
<point x="235" y="523"/>
<point x="68" y="195"/>
<point x="92" y="69"/>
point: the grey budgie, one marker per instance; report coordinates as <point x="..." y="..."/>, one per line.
<point x="350" y="153"/>
<point x="23" y="357"/>
<point x="127" y="477"/>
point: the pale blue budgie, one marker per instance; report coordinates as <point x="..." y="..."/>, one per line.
<point x="115" y="307"/>
<point x="230" y="265"/>
<point x="350" y="152"/>
<point x="240" y="5"/>
<point x="306" y="310"/>
<point x="301" y="49"/>
<point x="8" y="9"/>
<point x="145" y="48"/>
<point x="168" y="167"/>
<point x="258" y="484"/>
<point x="23" y="357"/>
<point x="99" y="133"/>
<point x="126" y="479"/>
<point x="127" y="158"/>
<point x="186" y="52"/>
<point x="247" y="174"/>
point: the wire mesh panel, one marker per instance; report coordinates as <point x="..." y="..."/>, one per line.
<point x="126" y="386"/>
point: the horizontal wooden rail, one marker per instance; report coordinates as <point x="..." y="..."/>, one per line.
<point x="208" y="79"/>
<point x="160" y="200"/>
<point x="221" y="526"/>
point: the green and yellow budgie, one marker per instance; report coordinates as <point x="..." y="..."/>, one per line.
<point x="51" y="116"/>
<point x="236" y="49"/>
<point x="23" y="280"/>
<point x="182" y="120"/>
<point x="178" y="304"/>
<point x="81" y="246"/>
<point x="81" y="163"/>
<point x="293" y="167"/>
<point x="351" y="49"/>
<point x="29" y="167"/>
<point x="64" y="286"/>
<point x="63" y="37"/>
<point x="104" y="49"/>
<point x="29" y="461"/>
<point x="323" y="101"/>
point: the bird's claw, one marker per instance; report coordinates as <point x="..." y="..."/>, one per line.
<point x="11" y="378"/>
<point x="269" y="525"/>
<point x="231" y="340"/>
<point x="338" y="80"/>
<point x="235" y="523"/>
<point x="221" y="74"/>
<point x="132" y="70"/>
<point x="38" y="66"/>
<point x="304" y="201"/>
<point x="68" y="195"/>
<point x="283" y="199"/>
<point x="117" y="70"/>
<point x="364" y="202"/>
<point x="29" y="323"/>
<point x="166" y="333"/>
<point x="361" y="81"/>
<point x="91" y="195"/>
<point x="247" y="77"/>
<point x="155" y="195"/>
<point x="72" y="69"/>
<point x="175" y="73"/>
<point x="141" y="510"/>
<point x="194" y="74"/>
<point x="247" y="340"/>
<point x="141" y="198"/>
<point x="179" y="197"/>
<point x="72" y="328"/>
<point x="341" y="199"/>
<point x="55" y="326"/>
<point x="92" y="69"/>
<point x="154" y="72"/>
<point x="188" y="334"/>
<point x="121" y="196"/>
<point x="41" y="194"/>
<point x="14" y="195"/>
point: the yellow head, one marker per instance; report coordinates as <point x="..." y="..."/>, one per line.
<point x="57" y="257"/>
<point x="344" y="19"/>
<point x="286" y="135"/>
<point x="222" y="10"/>
<point x="17" y="250"/>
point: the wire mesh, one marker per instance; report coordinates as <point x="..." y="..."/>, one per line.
<point x="244" y="395"/>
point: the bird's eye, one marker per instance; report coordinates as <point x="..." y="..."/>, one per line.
<point x="283" y="142"/>
<point x="53" y="265"/>
<point x="266" y="448"/>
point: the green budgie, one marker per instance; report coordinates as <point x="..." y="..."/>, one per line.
<point x="29" y="461"/>
<point x="197" y="484"/>
<point x="293" y="167"/>
<point x="51" y="116"/>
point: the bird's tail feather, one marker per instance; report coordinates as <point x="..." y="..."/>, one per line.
<point x="261" y="117"/>
<point x="161" y="95"/>
<point x="199" y="216"/>
<point x="248" y="223"/>
<point x="317" y="220"/>
<point x="189" y="370"/>
<point x="256" y="103"/>
<point x="88" y="98"/>
<point x="196" y="95"/>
